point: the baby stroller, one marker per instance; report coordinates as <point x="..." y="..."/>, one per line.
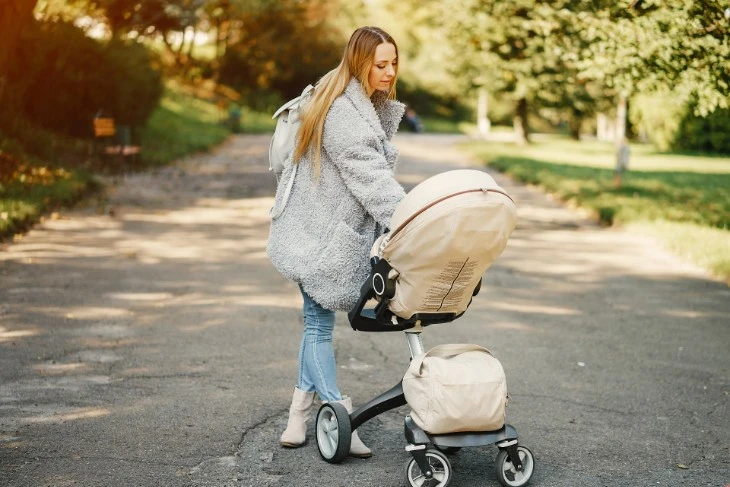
<point x="422" y="275"/>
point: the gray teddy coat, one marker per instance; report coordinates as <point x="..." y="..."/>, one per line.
<point x="323" y="236"/>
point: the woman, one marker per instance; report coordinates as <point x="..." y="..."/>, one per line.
<point x="343" y="197"/>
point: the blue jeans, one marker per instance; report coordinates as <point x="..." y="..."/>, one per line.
<point x="317" y="368"/>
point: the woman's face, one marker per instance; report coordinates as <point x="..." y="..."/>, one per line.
<point x="384" y="68"/>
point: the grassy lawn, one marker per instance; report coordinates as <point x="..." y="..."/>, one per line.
<point x="445" y="126"/>
<point x="181" y="125"/>
<point x="682" y="200"/>
<point x="31" y="187"/>
<point x="28" y="191"/>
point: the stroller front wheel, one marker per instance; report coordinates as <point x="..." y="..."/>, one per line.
<point x="334" y="432"/>
<point x="508" y="475"/>
<point x="440" y="467"/>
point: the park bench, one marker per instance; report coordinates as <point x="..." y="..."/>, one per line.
<point x="113" y="141"/>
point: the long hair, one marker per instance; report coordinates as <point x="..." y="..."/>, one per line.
<point x="356" y="62"/>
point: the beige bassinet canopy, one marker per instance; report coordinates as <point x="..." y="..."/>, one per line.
<point x="445" y="234"/>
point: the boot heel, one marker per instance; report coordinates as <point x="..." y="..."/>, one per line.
<point x="295" y="434"/>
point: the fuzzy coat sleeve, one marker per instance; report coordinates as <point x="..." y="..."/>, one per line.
<point x="357" y="152"/>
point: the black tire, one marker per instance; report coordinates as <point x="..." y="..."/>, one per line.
<point x="442" y="472"/>
<point x="334" y="432"/>
<point x="507" y="475"/>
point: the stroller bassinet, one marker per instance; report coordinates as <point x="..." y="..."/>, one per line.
<point x="445" y="234"/>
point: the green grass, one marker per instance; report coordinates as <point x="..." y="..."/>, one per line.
<point x="682" y="200"/>
<point x="34" y="190"/>
<point x="257" y="122"/>
<point x="181" y="125"/>
<point x="440" y="125"/>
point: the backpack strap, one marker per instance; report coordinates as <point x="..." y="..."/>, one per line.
<point x="280" y="208"/>
<point x="445" y="350"/>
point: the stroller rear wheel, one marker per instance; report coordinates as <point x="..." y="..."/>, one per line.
<point x="440" y="466"/>
<point x="334" y="432"/>
<point x="508" y="475"/>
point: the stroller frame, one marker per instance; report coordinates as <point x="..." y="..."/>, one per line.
<point x="427" y="467"/>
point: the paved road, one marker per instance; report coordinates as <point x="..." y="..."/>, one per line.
<point x="147" y="341"/>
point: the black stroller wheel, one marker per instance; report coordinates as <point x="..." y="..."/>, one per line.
<point x="508" y="475"/>
<point x="440" y="466"/>
<point x="334" y="432"/>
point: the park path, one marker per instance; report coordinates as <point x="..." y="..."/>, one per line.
<point x="146" y="340"/>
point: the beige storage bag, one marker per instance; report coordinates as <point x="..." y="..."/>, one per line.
<point x="445" y="233"/>
<point x="456" y="387"/>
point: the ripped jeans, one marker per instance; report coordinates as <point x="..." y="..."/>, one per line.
<point x="317" y="368"/>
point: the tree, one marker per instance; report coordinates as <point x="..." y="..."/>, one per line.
<point x="501" y="46"/>
<point x="260" y="62"/>
<point x="15" y="15"/>
<point x="677" y="46"/>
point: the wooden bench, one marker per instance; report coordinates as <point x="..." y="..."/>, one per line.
<point x="112" y="140"/>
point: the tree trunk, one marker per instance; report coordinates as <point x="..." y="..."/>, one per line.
<point x="483" y="113"/>
<point x="192" y="43"/>
<point x="621" y="119"/>
<point x="522" y="135"/>
<point x="575" y="124"/>
<point x="217" y="40"/>
<point x="14" y="16"/>
<point x="181" y="47"/>
<point x="622" y="148"/>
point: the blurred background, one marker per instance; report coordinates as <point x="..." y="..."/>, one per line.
<point x="99" y="86"/>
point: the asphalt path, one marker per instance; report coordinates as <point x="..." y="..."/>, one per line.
<point x="146" y="340"/>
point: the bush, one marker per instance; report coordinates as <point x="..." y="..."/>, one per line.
<point x="59" y="79"/>
<point x="672" y="125"/>
<point x="55" y="80"/>
<point x="267" y="70"/>
<point x="139" y="84"/>
<point x="709" y="134"/>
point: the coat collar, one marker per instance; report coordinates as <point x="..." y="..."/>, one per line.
<point x="382" y="114"/>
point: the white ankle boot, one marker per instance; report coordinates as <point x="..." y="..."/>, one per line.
<point x="295" y="434"/>
<point x="357" y="447"/>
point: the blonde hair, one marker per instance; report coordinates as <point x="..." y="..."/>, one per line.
<point x="356" y="62"/>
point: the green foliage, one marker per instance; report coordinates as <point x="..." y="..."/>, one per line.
<point x="138" y="82"/>
<point x="59" y="79"/>
<point x="657" y="117"/>
<point x="160" y="15"/>
<point x="54" y="78"/>
<point x="676" y="45"/>
<point x="19" y="135"/>
<point x="260" y="63"/>
<point x="673" y="125"/>
<point x="182" y="124"/>
<point x="705" y="134"/>
<point x="28" y="190"/>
